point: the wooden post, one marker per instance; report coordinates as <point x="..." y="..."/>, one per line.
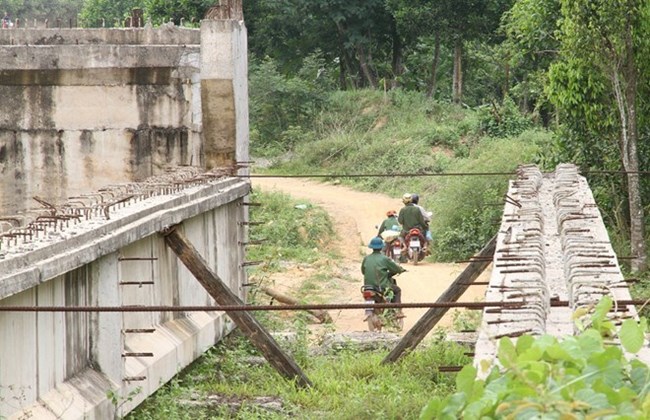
<point x="429" y="320"/>
<point x="264" y="342"/>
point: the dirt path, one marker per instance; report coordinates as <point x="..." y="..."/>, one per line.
<point x="355" y="214"/>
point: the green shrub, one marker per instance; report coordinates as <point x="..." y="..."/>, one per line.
<point x="280" y="105"/>
<point x="467" y="209"/>
<point x="576" y="377"/>
<point x="503" y="120"/>
<point x="290" y="233"/>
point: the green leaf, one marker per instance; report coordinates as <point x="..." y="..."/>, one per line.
<point x="600" y="313"/>
<point x="524" y="343"/>
<point x="465" y="380"/>
<point x="432" y="409"/>
<point x="536" y="372"/>
<point x="532" y="354"/>
<point x="592" y="398"/>
<point x="507" y="353"/>
<point x="590" y="342"/>
<point x="631" y="335"/>
<point x="561" y="351"/>
<point x="640" y="376"/>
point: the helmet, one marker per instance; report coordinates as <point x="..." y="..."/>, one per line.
<point x="390" y="213"/>
<point x="376" y="243"/>
<point x="415" y="198"/>
<point x="406" y="198"/>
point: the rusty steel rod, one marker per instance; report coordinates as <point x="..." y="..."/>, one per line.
<point x="243" y="308"/>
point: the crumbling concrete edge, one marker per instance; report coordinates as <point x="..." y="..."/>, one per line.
<point x="38" y="266"/>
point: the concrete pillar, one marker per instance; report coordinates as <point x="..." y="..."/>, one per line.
<point x="107" y="325"/>
<point x="224" y="92"/>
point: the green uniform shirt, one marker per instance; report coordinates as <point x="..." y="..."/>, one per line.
<point x="377" y="270"/>
<point x="389" y="224"/>
<point x="411" y="217"/>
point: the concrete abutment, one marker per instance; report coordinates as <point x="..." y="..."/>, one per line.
<point x="114" y="130"/>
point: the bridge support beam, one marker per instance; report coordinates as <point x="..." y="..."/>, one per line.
<point x="262" y="340"/>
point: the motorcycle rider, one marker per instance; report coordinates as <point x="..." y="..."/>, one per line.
<point x="415" y="199"/>
<point x="410" y="216"/>
<point x="390" y="223"/>
<point x="378" y="270"/>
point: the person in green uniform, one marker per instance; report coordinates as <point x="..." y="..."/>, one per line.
<point x="378" y="270"/>
<point x="390" y="223"/>
<point x="410" y="216"/>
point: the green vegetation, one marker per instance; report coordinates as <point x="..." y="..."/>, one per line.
<point x="368" y="131"/>
<point x="583" y="376"/>
<point x="291" y="230"/>
<point x="348" y="384"/>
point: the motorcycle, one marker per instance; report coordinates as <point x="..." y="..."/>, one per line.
<point x="379" y="318"/>
<point x="393" y="245"/>
<point x="414" y="242"/>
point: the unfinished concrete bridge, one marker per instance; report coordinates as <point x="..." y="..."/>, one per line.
<point x="108" y="136"/>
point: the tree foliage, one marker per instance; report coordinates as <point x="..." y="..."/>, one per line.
<point x="64" y="11"/>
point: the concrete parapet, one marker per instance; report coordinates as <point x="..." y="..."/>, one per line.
<point x="163" y="35"/>
<point x="552" y="245"/>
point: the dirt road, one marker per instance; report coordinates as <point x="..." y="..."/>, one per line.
<point x="355" y="214"/>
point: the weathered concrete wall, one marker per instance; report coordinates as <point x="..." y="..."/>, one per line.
<point x="63" y="364"/>
<point x="85" y="108"/>
<point x="224" y="92"/>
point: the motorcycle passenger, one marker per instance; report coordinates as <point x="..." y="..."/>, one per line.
<point x="410" y="216"/>
<point x="390" y="223"/>
<point x="378" y="270"/>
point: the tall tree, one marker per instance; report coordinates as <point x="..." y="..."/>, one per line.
<point x="363" y="30"/>
<point x="607" y="40"/>
<point x="451" y="21"/>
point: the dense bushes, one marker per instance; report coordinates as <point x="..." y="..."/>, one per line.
<point x="282" y="108"/>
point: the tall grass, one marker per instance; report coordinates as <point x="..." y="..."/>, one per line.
<point x="347" y="385"/>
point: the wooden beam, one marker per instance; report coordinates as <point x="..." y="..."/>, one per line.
<point x="262" y="340"/>
<point x="429" y="320"/>
<point x="323" y="316"/>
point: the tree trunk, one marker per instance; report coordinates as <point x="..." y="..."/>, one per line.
<point x="457" y="90"/>
<point x="626" y="104"/>
<point x="506" y="83"/>
<point x="434" y="67"/>
<point x="345" y="61"/>
<point x="398" y="66"/>
<point x="365" y="67"/>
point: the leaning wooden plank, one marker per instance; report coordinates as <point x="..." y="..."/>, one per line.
<point x="323" y="316"/>
<point x="262" y="340"/>
<point x="429" y="320"/>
